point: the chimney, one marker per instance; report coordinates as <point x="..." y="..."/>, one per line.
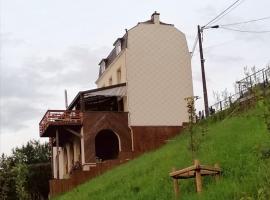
<point x="155" y="17"/>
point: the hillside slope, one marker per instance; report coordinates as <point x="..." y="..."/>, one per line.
<point x="240" y="144"/>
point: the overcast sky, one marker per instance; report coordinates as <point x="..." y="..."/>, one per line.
<point x="48" y="46"/>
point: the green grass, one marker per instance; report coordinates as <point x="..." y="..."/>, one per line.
<point x="237" y="143"/>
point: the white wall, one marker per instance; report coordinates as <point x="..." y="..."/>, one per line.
<point x="158" y="75"/>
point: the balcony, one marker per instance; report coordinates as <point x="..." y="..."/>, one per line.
<point x="59" y="118"/>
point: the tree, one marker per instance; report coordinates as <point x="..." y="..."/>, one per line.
<point x="26" y="172"/>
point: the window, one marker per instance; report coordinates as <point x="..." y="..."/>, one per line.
<point x="119" y="75"/>
<point x="118" y="47"/>
<point x="102" y="66"/>
<point x="110" y="81"/>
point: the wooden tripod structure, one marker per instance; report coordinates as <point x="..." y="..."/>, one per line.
<point x="195" y="171"/>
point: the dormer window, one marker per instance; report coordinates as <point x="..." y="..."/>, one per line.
<point x="102" y="65"/>
<point x="117" y="45"/>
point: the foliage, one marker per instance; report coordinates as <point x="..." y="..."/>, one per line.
<point x="19" y="176"/>
<point x="21" y="172"/>
<point x="193" y="145"/>
<point x="235" y="143"/>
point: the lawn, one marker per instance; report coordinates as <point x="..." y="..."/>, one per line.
<point x="239" y="143"/>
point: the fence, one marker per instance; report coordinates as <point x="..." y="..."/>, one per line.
<point x="59" y="186"/>
<point x="58" y="116"/>
<point x="260" y="78"/>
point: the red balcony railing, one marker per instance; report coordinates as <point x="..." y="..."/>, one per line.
<point x="59" y="117"/>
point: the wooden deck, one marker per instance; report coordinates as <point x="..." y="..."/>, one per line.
<point x="59" y="118"/>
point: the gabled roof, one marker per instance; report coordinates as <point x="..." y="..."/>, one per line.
<point x="151" y="22"/>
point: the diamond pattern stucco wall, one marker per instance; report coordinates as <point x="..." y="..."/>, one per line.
<point x="158" y="75"/>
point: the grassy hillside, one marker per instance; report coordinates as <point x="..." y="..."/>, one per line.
<point x="240" y="143"/>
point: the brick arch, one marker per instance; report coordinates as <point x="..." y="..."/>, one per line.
<point x="94" y="122"/>
<point x="107" y="145"/>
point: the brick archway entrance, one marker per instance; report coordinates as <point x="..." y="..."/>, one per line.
<point x="107" y="145"/>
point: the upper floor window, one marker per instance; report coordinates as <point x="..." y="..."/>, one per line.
<point x="110" y="81"/>
<point x="102" y="66"/>
<point x="119" y="75"/>
<point x="118" y="46"/>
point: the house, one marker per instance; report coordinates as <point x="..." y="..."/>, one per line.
<point x="138" y="103"/>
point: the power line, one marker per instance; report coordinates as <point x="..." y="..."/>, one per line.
<point x="245" y="22"/>
<point x="218" y="17"/>
<point x="244" y="31"/>
<point x="223" y="13"/>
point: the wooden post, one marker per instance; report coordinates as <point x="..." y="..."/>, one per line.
<point x="57" y="153"/>
<point x="205" y="96"/>
<point x="175" y="185"/>
<point x="264" y="83"/>
<point x="82" y="104"/>
<point x="266" y="78"/>
<point x="198" y="176"/>
<point x="52" y="158"/>
<point x="217" y="176"/>
<point x="230" y="100"/>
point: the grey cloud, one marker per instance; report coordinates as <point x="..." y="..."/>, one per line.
<point x="15" y="112"/>
<point x="221" y="58"/>
<point x="26" y="90"/>
<point x="7" y="39"/>
<point x="207" y="11"/>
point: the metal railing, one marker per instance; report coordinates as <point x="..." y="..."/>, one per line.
<point x="260" y="78"/>
<point x="58" y="116"/>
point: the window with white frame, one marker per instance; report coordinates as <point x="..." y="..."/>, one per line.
<point x="102" y="66"/>
<point x="118" y="47"/>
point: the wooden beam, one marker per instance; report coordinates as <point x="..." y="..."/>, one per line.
<point x="82" y="103"/>
<point x="191" y="174"/>
<point x="210" y="168"/>
<point x="57" y="153"/>
<point x="186" y="175"/>
<point x="52" y="158"/>
<point x="179" y="172"/>
<point x="73" y="132"/>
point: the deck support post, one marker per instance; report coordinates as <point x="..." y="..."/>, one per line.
<point x="52" y="161"/>
<point x="57" y="153"/>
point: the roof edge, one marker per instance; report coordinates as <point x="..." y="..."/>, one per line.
<point x="77" y="97"/>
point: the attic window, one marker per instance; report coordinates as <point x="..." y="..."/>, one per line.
<point x="102" y="66"/>
<point x="118" y="46"/>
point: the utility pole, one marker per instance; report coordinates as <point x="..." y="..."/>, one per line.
<point x="205" y="97"/>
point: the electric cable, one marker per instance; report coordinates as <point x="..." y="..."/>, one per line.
<point x="245" y="22"/>
<point x="244" y="31"/>
<point x="223" y="13"/>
